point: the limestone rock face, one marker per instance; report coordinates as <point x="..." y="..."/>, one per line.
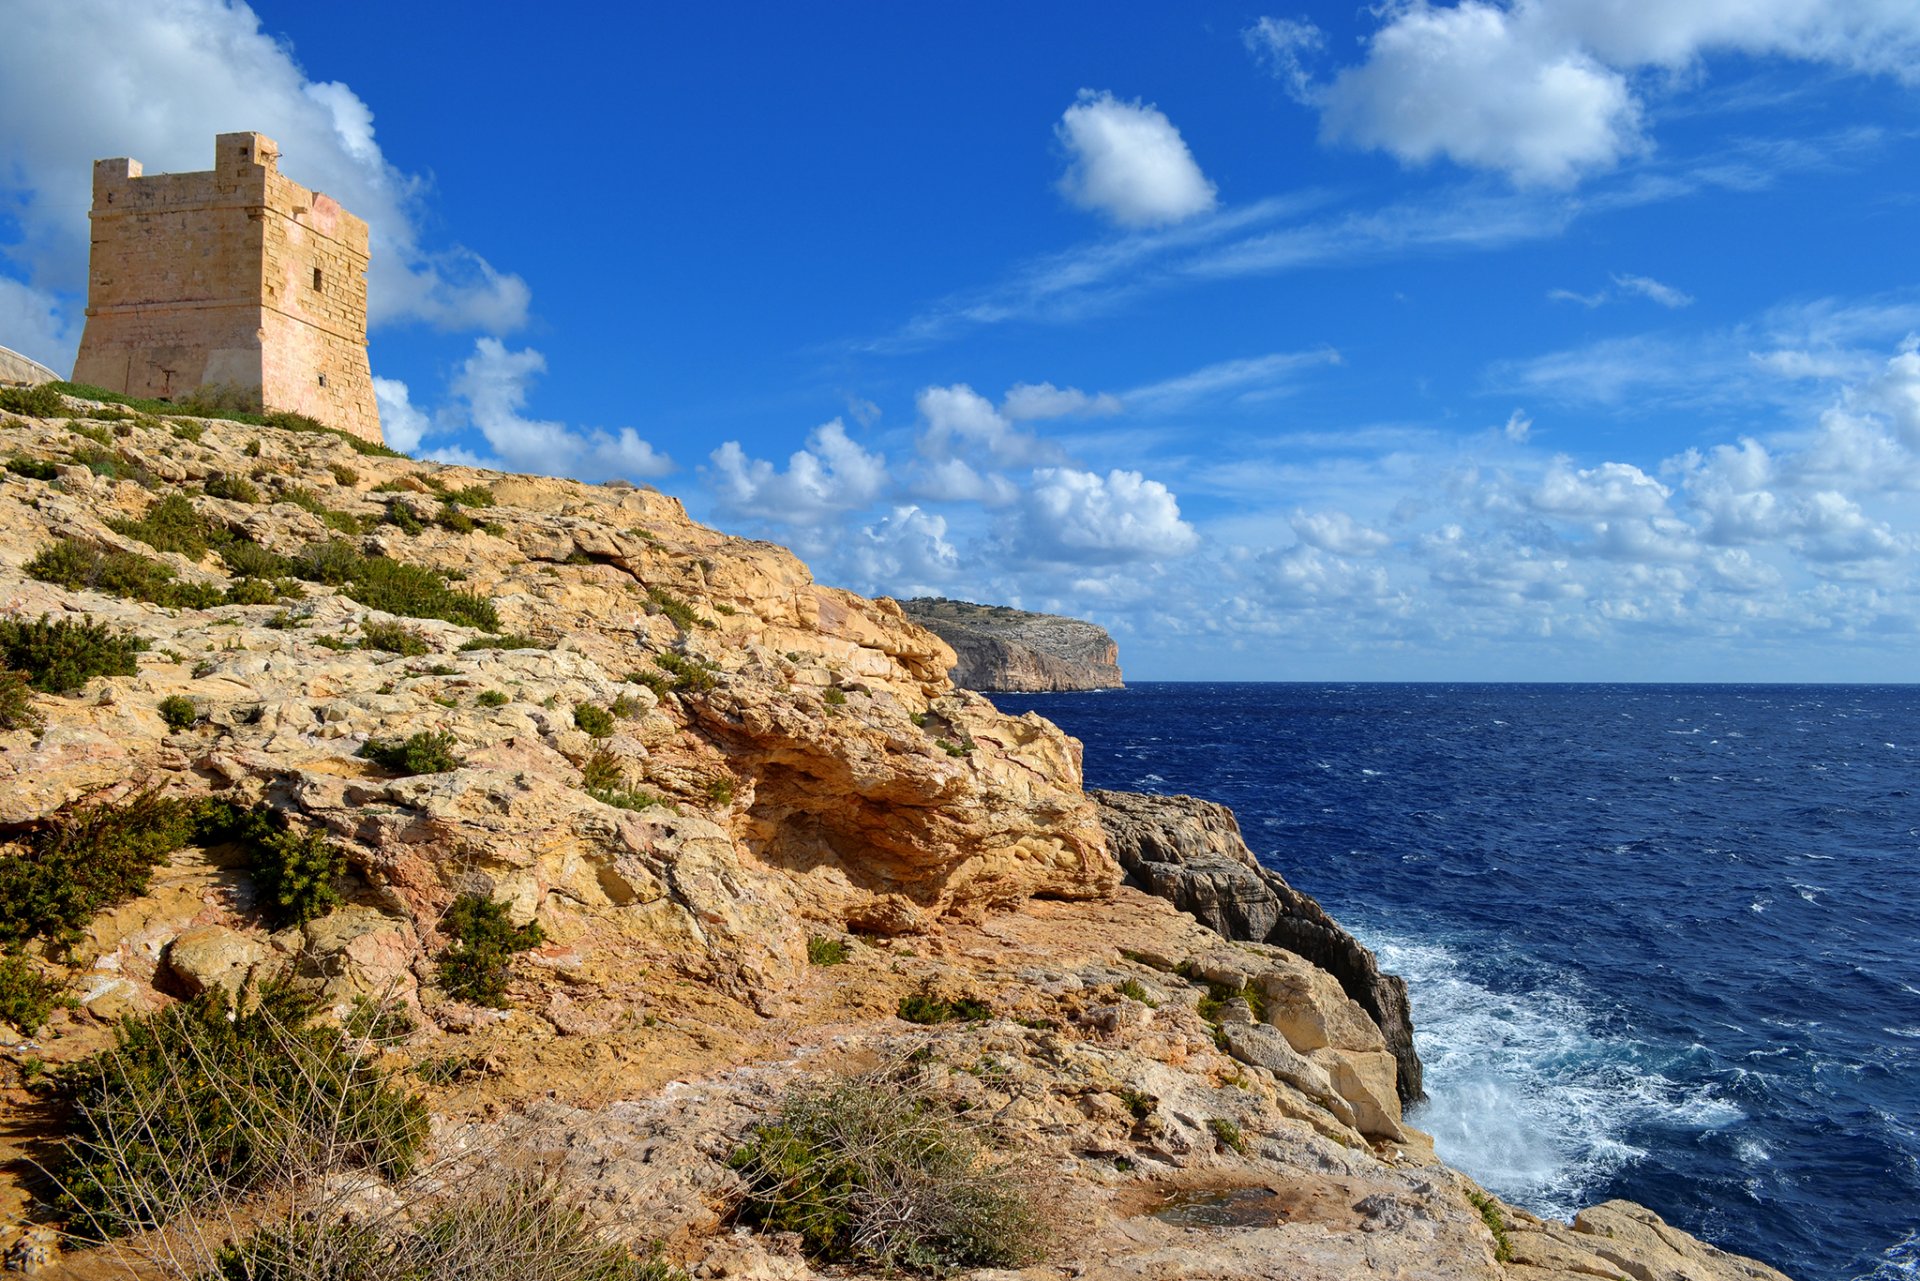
<point x="997" y="648"/>
<point x="805" y="765"/>
<point x="695" y="764"/>
<point x="1190" y="852"/>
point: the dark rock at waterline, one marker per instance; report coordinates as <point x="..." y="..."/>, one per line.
<point x="1190" y="852"/>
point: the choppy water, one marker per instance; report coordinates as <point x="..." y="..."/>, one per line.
<point x="1663" y="942"/>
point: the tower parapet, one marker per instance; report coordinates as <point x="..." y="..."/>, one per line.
<point x="235" y="277"/>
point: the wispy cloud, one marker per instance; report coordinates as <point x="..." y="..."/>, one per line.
<point x="1224" y="378"/>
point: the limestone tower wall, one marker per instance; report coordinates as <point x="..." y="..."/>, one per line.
<point x="236" y="277"/>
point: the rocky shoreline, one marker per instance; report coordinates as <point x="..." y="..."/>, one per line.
<point x="756" y="825"/>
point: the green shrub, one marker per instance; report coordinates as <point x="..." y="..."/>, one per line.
<point x="491" y="698"/>
<point x="76" y="566"/>
<point x="306" y="500"/>
<point x="170" y="525"/>
<point x="689" y="674"/>
<point x="472" y="496"/>
<point x="596" y="721"/>
<point x="65" y="654"/>
<point x="237" y="489"/>
<point x="205" y="1100"/>
<point x="826" y="951"/>
<point x="187" y="430"/>
<point x="32" y="468"/>
<point x="422" y="753"/>
<point x="474" y="967"/>
<point x="873" y="1171"/>
<point x="625" y="798"/>
<point x="1134" y="991"/>
<point x="659" y="682"/>
<point x="506" y="640"/>
<point x="27" y="998"/>
<point x="402" y="517"/>
<point x="1138" y="1105"/>
<point x="111" y="464"/>
<point x="383" y="1022"/>
<point x="178" y="712"/>
<point x="1228" y="1133"/>
<point x="1490" y="1215"/>
<point x="624" y="707"/>
<point x="720" y="789"/>
<point x="394" y="638"/>
<point x="450" y="517"/>
<point x="246" y="559"/>
<point x="602" y="772"/>
<point x="925" y="1007"/>
<point x="833" y="696"/>
<point x="393" y="587"/>
<point x="674" y="608"/>
<point x="91" y="859"/>
<point x="16" y="702"/>
<point x="43" y="401"/>
<point x="343" y="474"/>
<point x="297" y="873"/>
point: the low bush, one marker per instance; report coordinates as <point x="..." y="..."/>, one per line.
<point x="625" y="798"/>
<point x="111" y="464"/>
<point x="343" y="474"/>
<point x="64" y="654"/>
<point x="178" y="712"/>
<point x="27" y="998"/>
<point x="187" y="430"/>
<point x="833" y="696"/>
<point x="236" y="489"/>
<point x="32" y="468"/>
<point x="595" y="720"/>
<point x="422" y="753"/>
<point x="246" y="559"/>
<point x="392" y="586"/>
<point x="76" y="566"/>
<point x="474" y="968"/>
<point x="720" y="789"/>
<point x="925" y="1007"/>
<point x="43" y="401"/>
<point x="624" y="707"/>
<point x="207" y="1099"/>
<point x="1228" y="1133"/>
<point x="674" y="608"/>
<point x="297" y="873"/>
<point x="826" y="951"/>
<point x="394" y="638"/>
<point x="170" y="525"/>
<point x="16" y="702"/>
<point x="471" y="496"/>
<point x="602" y="772"/>
<point x="402" y="517"/>
<point x="690" y="674"/>
<point x="873" y="1171"/>
<point x="308" y="501"/>
<point x="491" y="698"/>
<point x="1496" y="1224"/>
<point x="91" y="859"/>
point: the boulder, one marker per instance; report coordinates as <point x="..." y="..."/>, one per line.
<point x="1190" y="852"/>
<point x="212" y="956"/>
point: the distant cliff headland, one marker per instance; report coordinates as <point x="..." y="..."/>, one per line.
<point x="1013" y="650"/>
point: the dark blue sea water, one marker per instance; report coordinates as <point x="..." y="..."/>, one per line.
<point x="1663" y="941"/>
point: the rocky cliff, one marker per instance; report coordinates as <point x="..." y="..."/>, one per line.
<point x="1002" y="649"/>
<point x="757" y="826"/>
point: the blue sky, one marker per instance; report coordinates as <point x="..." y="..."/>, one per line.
<point x="1556" y="339"/>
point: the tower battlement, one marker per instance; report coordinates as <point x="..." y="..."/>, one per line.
<point x="232" y="277"/>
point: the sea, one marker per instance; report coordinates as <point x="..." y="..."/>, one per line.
<point x="1662" y="942"/>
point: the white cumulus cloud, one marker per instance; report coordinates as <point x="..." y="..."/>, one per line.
<point x="493" y="386"/>
<point x="1546" y="91"/>
<point x="831" y="476"/>
<point x="1127" y="161"/>
<point x="402" y="424"/>
<point x="1082" y="517"/>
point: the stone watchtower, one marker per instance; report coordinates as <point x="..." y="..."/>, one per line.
<point x="237" y="278"/>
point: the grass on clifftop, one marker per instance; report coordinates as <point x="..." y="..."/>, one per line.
<point x="875" y="1171"/>
<point x="208" y="403"/>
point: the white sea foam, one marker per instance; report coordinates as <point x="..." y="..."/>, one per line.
<point x="1900" y="1262"/>
<point x="1522" y="1095"/>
